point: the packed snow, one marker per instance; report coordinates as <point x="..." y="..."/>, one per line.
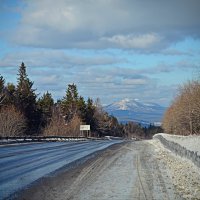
<point x="191" y="142"/>
<point x="184" y="175"/>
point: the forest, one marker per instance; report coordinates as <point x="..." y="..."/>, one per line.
<point x="24" y="112"/>
<point x="183" y="115"/>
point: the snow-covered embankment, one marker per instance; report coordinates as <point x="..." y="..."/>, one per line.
<point x="185" y="146"/>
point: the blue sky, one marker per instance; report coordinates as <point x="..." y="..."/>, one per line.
<point x="112" y="49"/>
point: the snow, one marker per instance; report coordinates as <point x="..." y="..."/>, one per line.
<point x="122" y="105"/>
<point x="134" y="104"/>
<point x="23" y="164"/>
<point x="16" y="140"/>
<point x="115" y="181"/>
<point x="185" y="175"/>
<point x="191" y="142"/>
<point x="136" y="110"/>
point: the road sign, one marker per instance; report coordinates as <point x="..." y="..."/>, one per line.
<point x="84" y="127"/>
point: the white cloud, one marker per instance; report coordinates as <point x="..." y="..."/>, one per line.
<point x="107" y="24"/>
<point x="130" y="41"/>
<point x="50" y="72"/>
<point x="135" y="82"/>
<point x="55" y="58"/>
<point x="146" y="26"/>
<point x="187" y="64"/>
<point x="49" y="80"/>
<point x="175" y="52"/>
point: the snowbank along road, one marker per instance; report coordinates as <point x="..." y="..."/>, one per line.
<point x="21" y="164"/>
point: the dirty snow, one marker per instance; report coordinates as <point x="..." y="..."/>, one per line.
<point x="191" y="142"/>
<point x="185" y="176"/>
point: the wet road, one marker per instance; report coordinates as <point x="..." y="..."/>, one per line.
<point x="21" y="164"/>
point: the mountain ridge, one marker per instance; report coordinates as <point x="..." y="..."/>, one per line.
<point x="135" y="110"/>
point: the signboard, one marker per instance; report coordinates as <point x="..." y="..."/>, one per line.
<point x="84" y="127"/>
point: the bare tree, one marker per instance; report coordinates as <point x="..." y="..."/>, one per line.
<point x="132" y="129"/>
<point x="103" y="121"/>
<point x="183" y="116"/>
<point x="12" y="122"/>
<point x="58" y="127"/>
<point x="73" y="127"/>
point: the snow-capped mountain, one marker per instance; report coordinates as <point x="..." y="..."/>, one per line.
<point x="135" y="110"/>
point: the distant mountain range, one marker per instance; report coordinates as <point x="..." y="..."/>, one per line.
<point x="134" y="110"/>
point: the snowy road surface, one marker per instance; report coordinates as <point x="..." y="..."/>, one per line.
<point x="121" y="172"/>
<point x="22" y="164"/>
<point x="138" y="170"/>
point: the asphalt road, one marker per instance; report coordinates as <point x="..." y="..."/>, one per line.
<point x="22" y="164"/>
<point x="121" y="172"/>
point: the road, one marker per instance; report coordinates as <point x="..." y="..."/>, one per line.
<point x="125" y="171"/>
<point x="22" y="164"/>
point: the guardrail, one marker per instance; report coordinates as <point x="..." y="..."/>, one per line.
<point x="22" y="139"/>
<point x="180" y="150"/>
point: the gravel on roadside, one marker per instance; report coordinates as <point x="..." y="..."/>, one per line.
<point x="184" y="174"/>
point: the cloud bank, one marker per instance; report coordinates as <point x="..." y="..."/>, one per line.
<point x="99" y="24"/>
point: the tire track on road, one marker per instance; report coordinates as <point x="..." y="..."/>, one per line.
<point x="150" y="183"/>
<point x="139" y="177"/>
<point x="89" y="174"/>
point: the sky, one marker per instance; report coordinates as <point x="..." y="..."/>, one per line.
<point x="111" y="49"/>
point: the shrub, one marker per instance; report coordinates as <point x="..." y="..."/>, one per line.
<point x="12" y="122"/>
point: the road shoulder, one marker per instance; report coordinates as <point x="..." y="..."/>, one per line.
<point x="184" y="174"/>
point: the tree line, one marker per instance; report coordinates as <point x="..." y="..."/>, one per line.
<point x="183" y="115"/>
<point x="22" y="112"/>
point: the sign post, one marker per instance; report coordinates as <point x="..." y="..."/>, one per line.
<point x="85" y="128"/>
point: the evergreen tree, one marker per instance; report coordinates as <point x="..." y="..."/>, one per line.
<point x="90" y="115"/>
<point x="2" y="95"/>
<point x="26" y="100"/>
<point x="7" y="93"/>
<point x="25" y="94"/>
<point x="82" y="109"/>
<point x="45" y="105"/>
<point x="2" y="82"/>
<point x="10" y="94"/>
<point x="70" y="103"/>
